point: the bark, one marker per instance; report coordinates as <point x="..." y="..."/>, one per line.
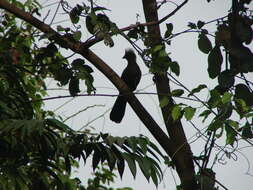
<point x="183" y="155"/>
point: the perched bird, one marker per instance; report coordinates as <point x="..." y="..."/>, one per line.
<point x="131" y="76"/>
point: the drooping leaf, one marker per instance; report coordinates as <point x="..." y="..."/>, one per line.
<point x="226" y="79"/>
<point x="131" y="163"/>
<point x="74" y="86"/>
<point x="230" y="135"/>
<point x="189" y="112"/>
<point x="215" y="60"/>
<point x="204" y="43"/>
<point x="168" y="32"/>
<point x="247" y="131"/>
<point x="242" y="92"/>
<point x="174" y="66"/>
<point x="176" y="112"/>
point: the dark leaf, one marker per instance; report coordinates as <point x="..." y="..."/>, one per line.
<point x="204" y="43"/>
<point x="198" y="89"/>
<point x="177" y="92"/>
<point x="226" y="79"/>
<point x="215" y="60"/>
<point x="200" y="24"/>
<point x="169" y="30"/>
<point x="242" y="92"/>
<point x="74" y="86"/>
<point x="131" y="163"/>
<point x="174" y="66"/>
<point x="133" y="34"/>
<point x="247" y="131"/>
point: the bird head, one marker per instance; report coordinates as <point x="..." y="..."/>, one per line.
<point x="129" y="55"/>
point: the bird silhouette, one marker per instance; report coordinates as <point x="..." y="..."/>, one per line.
<point x="131" y="76"/>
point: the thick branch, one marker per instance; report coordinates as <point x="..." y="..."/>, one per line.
<point x="78" y="47"/>
<point x="183" y="155"/>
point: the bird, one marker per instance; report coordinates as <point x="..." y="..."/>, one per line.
<point x="131" y="76"/>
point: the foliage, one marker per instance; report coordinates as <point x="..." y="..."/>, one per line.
<point x="39" y="150"/>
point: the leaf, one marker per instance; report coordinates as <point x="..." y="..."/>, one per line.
<point x="174" y="66"/>
<point x="121" y="166"/>
<point x="231" y="135"/>
<point x="74" y="17"/>
<point x="58" y="125"/>
<point x="74" y="86"/>
<point x="131" y="163"/>
<point x="192" y="25"/>
<point x="242" y="92"/>
<point x="177" y="92"/>
<point x="168" y="32"/>
<point x="226" y="97"/>
<point x="204" y="43"/>
<point x="133" y="34"/>
<point x="247" y="131"/>
<point x="205" y="114"/>
<point x="198" y="89"/>
<point x="215" y="60"/>
<point x="215" y="125"/>
<point x="189" y="112"/>
<point x="143" y="144"/>
<point x="200" y="24"/>
<point x="176" y="112"/>
<point x="226" y="79"/>
<point x="77" y="35"/>
<point x="164" y="101"/>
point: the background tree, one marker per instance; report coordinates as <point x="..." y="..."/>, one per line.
<point x="39" y="150"/>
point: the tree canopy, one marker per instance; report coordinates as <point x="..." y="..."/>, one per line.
<point x="38" y="150"/>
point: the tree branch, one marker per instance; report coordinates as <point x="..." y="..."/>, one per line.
<point x="80" y="48"/>
<point x="132" y="26"/>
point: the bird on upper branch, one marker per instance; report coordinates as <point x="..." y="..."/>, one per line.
<point x="131" y="76"/>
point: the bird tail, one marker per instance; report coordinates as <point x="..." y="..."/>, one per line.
<point x="118" y="109"/>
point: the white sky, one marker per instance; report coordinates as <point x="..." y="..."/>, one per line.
<point x="193" y="65"/>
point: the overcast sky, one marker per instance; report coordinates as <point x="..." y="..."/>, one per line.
<point x="193" y="65"/>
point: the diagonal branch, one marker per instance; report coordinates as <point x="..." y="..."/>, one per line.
<point x="81" y="49"/>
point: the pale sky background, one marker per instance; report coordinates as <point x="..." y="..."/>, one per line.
<point x="193" y="66"/>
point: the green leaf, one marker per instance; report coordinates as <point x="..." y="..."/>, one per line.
<point x="176" y="112"/>
<point x="215" y="60"/>
<point x="231" y="135"/>
<point x="177" y="92"/>
<point x="215" y="125"/>
<point x="131" y="163"/>
<point x="164" y="101"/>
<point x="204" y="43"/>
<point x="226" y="97"/>
<point x="58" y="125"/>
<point x="157" y="48"/>
<point x="189" y="112"/>
<point x="168" y="32"/>
<point x="205" y="114"/>
<point x="77" y="35"/>
<point x="198" y="89"/>
<point x="174" y="66"/>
